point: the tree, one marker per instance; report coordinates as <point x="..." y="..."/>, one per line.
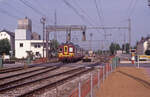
<point x="4" y="46"/>
<point x="54" y="47"/>
<point x="126" y="47"/>
<point x="99" y="52"/>
<point x="114" y="47"/>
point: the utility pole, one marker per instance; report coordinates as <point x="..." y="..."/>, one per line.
<point x="91" y="35"/>
<point x="43" y="21"/>
<point x="129" y="20"/>
<point x="55" y="23"/>
<point x="124" y="41"/>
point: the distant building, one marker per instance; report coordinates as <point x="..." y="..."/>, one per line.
<point x="35" y="36"/>
<point x="10" y="36"/>
<point x="25" y="23"/>
<point x="148" y="2"/>
<point x="143" y="45"/>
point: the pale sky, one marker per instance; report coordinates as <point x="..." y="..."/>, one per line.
<point x="114" y="12"/>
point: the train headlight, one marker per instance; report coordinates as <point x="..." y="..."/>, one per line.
<point x="70" y="49"/>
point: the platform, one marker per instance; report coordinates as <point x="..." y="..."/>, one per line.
<point x="126" y="82"/>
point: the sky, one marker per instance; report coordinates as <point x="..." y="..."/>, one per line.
<point x="82" y="12"/>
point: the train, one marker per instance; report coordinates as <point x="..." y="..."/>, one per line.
<point x="69" y="52"/>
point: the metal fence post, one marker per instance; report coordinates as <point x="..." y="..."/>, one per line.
<point x="91" y="85"/>
<point x="108" y="69"/>
<point x="79" y="89"/>
<point x="111" y="68"/>
<point x="103" y="74"/>
<point x="138" y="61"/>
<point x="98" y="78"/>
<point x="115" y="62"/>
<point x="1" y="63"/>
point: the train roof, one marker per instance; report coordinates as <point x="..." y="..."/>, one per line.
<point x="70" y="43"/>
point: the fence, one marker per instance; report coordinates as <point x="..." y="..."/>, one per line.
<point x="86" y="88"/>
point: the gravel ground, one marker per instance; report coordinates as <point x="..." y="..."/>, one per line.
<point x="126" y="82"/>
<point x="66" y="89"/>
<point x="35" y="85"/>
<point x="21" y="76"/>
<point x="38" y="76"/>
<point x="20" y="71"/>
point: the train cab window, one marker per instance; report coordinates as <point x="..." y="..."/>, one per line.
<point x="70" y="49"/>
<point x="60" y="49"/>
<point x="65" y="49"/>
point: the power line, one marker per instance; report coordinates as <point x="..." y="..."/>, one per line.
<point x="133" y="8"/>
<point x="8" y="14"/>
<point x="76" y="11"/>
<point x="130" y="5"/>
<point x="44" y="8"/>
<point x="26" y="3"/>
<point x="98" y="11"/>
<point x="14" y="8"/>
<point x="100" y="17"/>
<point x="83" y="11"/>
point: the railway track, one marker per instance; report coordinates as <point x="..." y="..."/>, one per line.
<point x="13" y="69"/>
<point x="22" y="89"/>
<point x="17" y="80"/>
<point x="25" y="74"/>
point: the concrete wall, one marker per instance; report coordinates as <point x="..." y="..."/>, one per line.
<point x="20" y="52"/>
<point x="22" y="34"/>
<point x="28" y="45"/>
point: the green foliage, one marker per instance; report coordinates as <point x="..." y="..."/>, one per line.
<point x="126" y="47"/>
<point x="4" y="46"/>
<point x="54" y="47"/>
<point x="113" y="48"/>
<point x="99" y="52"/>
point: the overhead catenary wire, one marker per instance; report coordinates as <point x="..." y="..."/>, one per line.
<point x="16" y="17"/>
<point x="133" y="8"/>
<point x="8" y="14"/>
<point x="26" y="3"/>
<point x="98" y="11"/>
<point x="86" y="14"/>
<point x="44" y="9"/>
<point x="76" y="11"/>
<point x="83" y="11"/>
<point x="100" y="16"/>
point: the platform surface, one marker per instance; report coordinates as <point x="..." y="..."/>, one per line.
<point x="126" y="82"/>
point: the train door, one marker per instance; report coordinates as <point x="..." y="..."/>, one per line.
<point x="65" y="50"/>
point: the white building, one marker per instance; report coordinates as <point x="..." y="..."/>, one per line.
<point x="22" y="34"/>
<point x="23" y="46"/>
<point x="4" y="34"/>
<point x="143" y="45"/>
<point x="24" y="43"/>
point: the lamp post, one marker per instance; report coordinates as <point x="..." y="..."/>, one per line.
<point x="43" y="20"/>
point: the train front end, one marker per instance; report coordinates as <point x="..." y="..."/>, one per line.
<point x="66" y="53"/>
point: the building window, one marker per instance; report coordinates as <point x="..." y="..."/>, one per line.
<point x="35" y="46"/>
<point x="37" y="53"/>
<point x="39" y="45"/>
<point x="21" y="44"/>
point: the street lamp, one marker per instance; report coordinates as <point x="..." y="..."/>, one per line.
<point x="43" y="20"/>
